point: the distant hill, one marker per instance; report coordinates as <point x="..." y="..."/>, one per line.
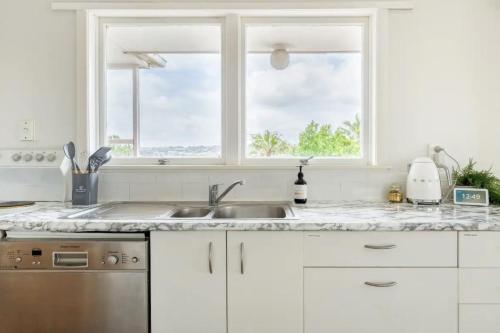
<point x="180" y="151"/>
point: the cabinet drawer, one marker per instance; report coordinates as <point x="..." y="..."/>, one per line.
<point x="414" y="300"/>
<point x="380" y="249"/>
<point x="479" y="318"/>
<point x="479" y="285"/>
<point x="479" y="249"/>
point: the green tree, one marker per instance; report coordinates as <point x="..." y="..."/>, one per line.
<point x="269" y="144"/>
<point x="352" y="128"/>
<point x="322" y="140"/>
<point x="120" y="149"/>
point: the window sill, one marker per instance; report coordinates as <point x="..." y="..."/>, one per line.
<point x="156" y="168"/>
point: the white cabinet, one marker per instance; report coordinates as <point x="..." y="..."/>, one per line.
<point x="479" y="280"/>
<point x="297" y="282"/>
<point x="188" y="282"/>
<point x="264" y="282"/>
<point x="380" y="300"/>
<point x="380" y="249"/>
<point x="479" y="249"/>
<point x="479" y="286"/>
<point x="478" y="318"/>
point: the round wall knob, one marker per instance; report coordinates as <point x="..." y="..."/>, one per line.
<point x="27" y="157"/>
<point x="135" y="259"/>
<point x="112" y="260"/>
<point x="51" y="157"/>
<point x="19" y="259"/>
<point x="16" y="157"/>
<point x="39" y="157"/>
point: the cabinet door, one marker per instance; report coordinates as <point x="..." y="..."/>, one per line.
<point x="188" y="282"/>
<point x="479" y="318"/>
<point x="264" y="282"/>
<point x="408" y="300"/>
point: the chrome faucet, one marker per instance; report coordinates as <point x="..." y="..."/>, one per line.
<point x="213" y="192"/>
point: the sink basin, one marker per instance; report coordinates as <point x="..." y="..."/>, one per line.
<point x="187" y="212"/>
<point x="260" y="211"/>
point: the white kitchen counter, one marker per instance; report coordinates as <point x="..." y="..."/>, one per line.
<point x="341" y="216"/>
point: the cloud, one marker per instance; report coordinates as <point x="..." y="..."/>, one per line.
<point x="325" y="88"/>
<point x="181" y="104"/>
<point x="119" y="103"/>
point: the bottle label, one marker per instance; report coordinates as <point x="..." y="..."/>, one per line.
<point x="300" y="192"/>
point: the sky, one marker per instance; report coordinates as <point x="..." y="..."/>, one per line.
<point x="325" y="88"/>
<point x="180" y="104"/>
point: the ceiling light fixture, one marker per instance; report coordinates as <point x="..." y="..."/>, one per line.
<point x="280" y="58"/>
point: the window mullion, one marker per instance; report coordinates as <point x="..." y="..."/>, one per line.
<point x="232" y="88"/>
<point x="136" y="112"/>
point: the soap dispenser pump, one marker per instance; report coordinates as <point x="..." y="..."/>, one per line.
<point x="300" y="188"/>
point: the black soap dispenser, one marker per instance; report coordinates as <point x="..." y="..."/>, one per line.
<point x="300" y="188"/>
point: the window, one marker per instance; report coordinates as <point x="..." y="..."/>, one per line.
<point x="120" y="111"/>
<point x="304" y="90"/>
<point x="164" y="90"/>
<point x="258" y="90"/>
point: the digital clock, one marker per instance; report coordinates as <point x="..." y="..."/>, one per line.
<point x="471" y="196"/>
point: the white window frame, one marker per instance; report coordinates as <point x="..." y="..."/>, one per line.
<point x="366" y="119"/>
<point x="88" y="55"/>
<point x="140" y="160"/>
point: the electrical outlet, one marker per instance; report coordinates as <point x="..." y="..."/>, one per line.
<point x="27" y="130"/>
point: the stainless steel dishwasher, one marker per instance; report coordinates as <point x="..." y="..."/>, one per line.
<point x="73" y="283"/>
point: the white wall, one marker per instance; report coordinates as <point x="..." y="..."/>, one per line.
<point x="444" y="85"/>
<point x="443" y="88"/>
<point x="37" y="72"/>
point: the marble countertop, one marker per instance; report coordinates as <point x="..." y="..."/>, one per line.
<point x="340" y="216"/>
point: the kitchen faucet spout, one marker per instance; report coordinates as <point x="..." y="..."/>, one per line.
<point x="213" y="192"/>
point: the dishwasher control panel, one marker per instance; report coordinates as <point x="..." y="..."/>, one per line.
<point x="78" y="254"/>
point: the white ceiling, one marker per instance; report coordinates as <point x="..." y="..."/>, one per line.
<point x="161" y="39"/>
<point x="310" y="38"/>
<point x="207" y="39"/>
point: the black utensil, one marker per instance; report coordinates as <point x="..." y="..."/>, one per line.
<point x="105" y="160"/>
<point x="70" y="152"/>
<point x="96" y="157"/>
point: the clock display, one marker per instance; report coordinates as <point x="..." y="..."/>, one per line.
<point x="471" y="196"/>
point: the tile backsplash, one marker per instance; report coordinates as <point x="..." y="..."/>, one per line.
<point x="268" y="185"/>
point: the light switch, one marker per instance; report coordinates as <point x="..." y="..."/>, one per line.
<point x="27" y="130"/>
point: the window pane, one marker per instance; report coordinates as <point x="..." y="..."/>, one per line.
<point x="314" y="105"/>
<point x="181" y="107"/>
<point x="179" y="87"/>
<point x="119" y="125"/>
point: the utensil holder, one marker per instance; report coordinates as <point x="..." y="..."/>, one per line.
<point x="85" y="189"/>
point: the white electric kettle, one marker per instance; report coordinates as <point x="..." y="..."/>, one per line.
<point x="423" y="185"/>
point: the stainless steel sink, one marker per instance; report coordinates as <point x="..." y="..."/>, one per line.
<point x="128" y="211"/>
<point x="191" y="212"/>
<point x="257" y="211"/>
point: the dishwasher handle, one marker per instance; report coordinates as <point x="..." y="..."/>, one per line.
<point x="70" y="259"/>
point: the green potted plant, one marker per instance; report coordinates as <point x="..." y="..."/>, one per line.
<point x="469" y="176"/>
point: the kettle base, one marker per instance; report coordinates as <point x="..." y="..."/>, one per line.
<point x="423" y="202"/>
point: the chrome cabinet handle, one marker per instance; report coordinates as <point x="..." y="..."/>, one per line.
<point x="381" y="284"/>
<point x="380" y="247"/>
<point x="242" y="258"/>
<point x="210" y="257"/>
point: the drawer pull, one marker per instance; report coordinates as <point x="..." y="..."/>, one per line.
<point x="381" y="284"/>
<point x="210" y="257"/>
<point x="242" y="258"/>
<point x="380" y="247"/>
